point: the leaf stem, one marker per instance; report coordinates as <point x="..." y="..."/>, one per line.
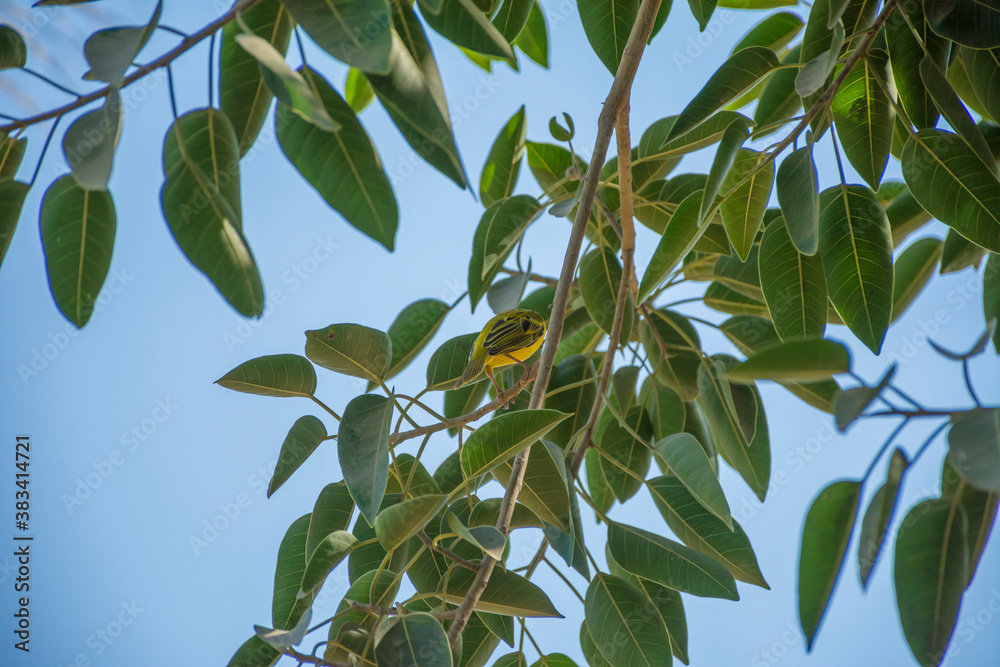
<point x="325" y="407"/>
<point x="884" y="447"/>
<point x="45" y="148"/>
<point x="446" y="552"/>
<point x="39" y="75"/>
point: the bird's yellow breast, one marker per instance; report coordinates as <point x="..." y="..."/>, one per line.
<point x="501" y="360"/>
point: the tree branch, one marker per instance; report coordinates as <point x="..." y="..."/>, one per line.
<point x="616" y="100"/>
<point x="162" y="61"/>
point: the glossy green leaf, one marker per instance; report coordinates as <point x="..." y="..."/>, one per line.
<point x="506" y="593"/>
<point x="333" y="549"/>
<point x="201" y="202"/>
<point x="778" y="100"/>
<point x="544" y="489"/>
<point x="302" y="440"/>
<point x="863" y="117"/>
<point x="465" y="25"/>
<point x="817" y="69"/>
<point x="366" y="589"/>
<point x="702" y="11"/>
<point x="413" y="95"/>
<point x="669" y="563"/>
<point x="597" y="483"/>
<point x="686" y="459"/>
<point x="856" y="247"/>
<point x="357" y="91"/>
<point x="254" y="652"/>
<point x="243" y="95"/>
<point x="991" y="295"/>
<point x="421" y="482"/>
<point x="804" y="360"/>
<point x="511" y="18"/>
<point x="534" y="38"/>
<point x="624" y="624"/>
<point x="972" y="23"/>
<point x="743" y="207"/>
<point x="13" y="50"/>
<point x="487" y="538"/>
<point x="286" y="606"/>
<point x="678" y="239"/>
<point x="554" y="660"/>
<point x="773" y="32"/>
<point x="449" y="361"/>
<point x="736" y="415"/>
<point x="351" y="349"/>
<point x="590" y="651"/>
<point x="12" y="195"/>
<point x="458" y="402"/>
<point x="575" y="401"/>
<point x="980" y="510"/>
<point x="953" y="185"/>
<point x="89" y="143"/>
<point x="332" y="512"/>
<point x="272" y="375"/>
<point x="704" y="532"/>
<point x="666" y="410"/>
<point x="549" y="165"/>
<point x="78" y="234"/>
<point x="725" y="299"/>
<point x="912" y="270"/>
<point x="974" y="442"/>
<point x="878" y="516"/>
<point x="959" y="253"/>
<point x="793" y="285"/>
<point x="398" y="523"/>
<point x="954" y="110"/>
<point x="503" y="437"/>
<point x="626" y="458"/>
<point x="478" y="643"/>
<point x="498" y="232"/>
<point x="363" y="448"/>
<point x="343" y="28"/>
<point x="600" y="278"/>
<point x="412" y="330"/>
<point x="674" y="351"/>
<point x="503" y="164"/>
<point x="905" y="55"/>
<point x="571" y="546"/>
<point x="738" y="74"/>
<point x="11" y="154"/>
<point x="607" y="24"/>
<point x="825" y="537"/>
<point x="414" y="640"/>
<point x="369" y="554"/>
<point x="729" y="147"/>
<point x="930" y="572"/>
<point x="983" y="68"/>
<point x="110" y="52"/>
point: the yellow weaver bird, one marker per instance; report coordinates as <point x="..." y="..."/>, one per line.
<point x="509" y="338"/>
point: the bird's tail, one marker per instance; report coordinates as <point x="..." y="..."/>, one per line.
<point x="477" y="360"/>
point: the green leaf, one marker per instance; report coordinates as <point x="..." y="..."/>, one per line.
<point x="458" y="402"/>
<point x="78" y="233"/>
<point x="600" y="277"/>
<point x="544" y="489"/>
<point x="678" y="239"/>
<point x="110" y="52"/>
<point x="705" y="532"/>
<point x="856" y="248"/>
<point x="420" y="485"/>
<point x="502" y="627"/>
<point x="911" y="272"/>
<point x="363" y="448"/>
<point x="729" y="147"/>
<point x="793" y="285"/>
<point x="974" y="442"/>
<point x="487" y="538"/>
<point x="590" y="651"/>
<point x="302" y="440"/>
<point x="825" y="537"/>
<point x="357" y="91"/>
<point x="503" y="164"/>
<point x="991" y="294"/>
<point x="972" y="23"/>
<point x="878" y="516"/>
<point x="351" y="349"/>
<point x="773" y="32"/>
<point x="626" y="458"/>
<point x="953" y="110"/>
<point x="412" y="330"/>
<point x="496" y="236"/>
<point x="272" y="375"/>
<point x="511" y="18"/>
<point x="959" y="253"/>
<point x="805" y="360"/>
<point x="506" y="593"/>
<point x="905" y="55"/>
<point x="905" y="216"/>
<point x="332" y="512"/>
<point x="414" y="640"/>
<point x="465" y="25"/>
<point x="413" y="95"/>
<point x="398" y="523"/>
<point x="950" y="181"/>
<point x="597" y="483"/>
<point x="676" y="362"/>
<point x="607" y="24"/>
<point x="849" y="404"/>
<point x="863" y="117"/>
<point x="983" y="68"/>
<point x="534" y="39"/>
<point x="11" y="154"/>
<point x="930" y="572"/>
<point x="736" y="415"/>
<point x="327" y="555"/>
<point x="367" y="589"/>
<point x="572" y="545"/>
<point x="342" y="166"/>
<point x="13" y="50"/>
<point x="344" y="29"/>
<point x="89" y="143"/>
<point x="503" y="437"/>
<point x="449" y="361"/>
<point x="201" y="202"/>
<point x="818" y="68"/>
<point x="778" y="101"/>
<point x="254" y="652"/>
<point x="243" y="95"/>
<point x="669" y="563"/>
<point x="286" y="607"/>
<point x="686" y="458"/>
<point x="738" y="74"/>
<point x="666" y="410"/>
<point x="12" y="195"/>
<point x="743" y="207"/>
<point x="477" y="643"/>
<point x="487" y="511"/>
<point x="702" y="11"/>
<point x="549" y="165"/>
<point x="575" y="401"/>
<point x="369" y="554"/>
<point x="980" y="509"/>
<point x="624" y="625"/>
<point x="554" y="660"/>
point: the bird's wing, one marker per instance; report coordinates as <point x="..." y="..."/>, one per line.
<point x="511" y="334"/>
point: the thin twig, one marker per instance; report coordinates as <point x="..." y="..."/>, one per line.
<point x="446" y="552"/>
<point x="382" y="610"/>
<point x="39" y="75"/>
<point x="616" y="100"/>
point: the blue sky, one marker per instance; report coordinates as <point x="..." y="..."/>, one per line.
<point x="130" y="405"/>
